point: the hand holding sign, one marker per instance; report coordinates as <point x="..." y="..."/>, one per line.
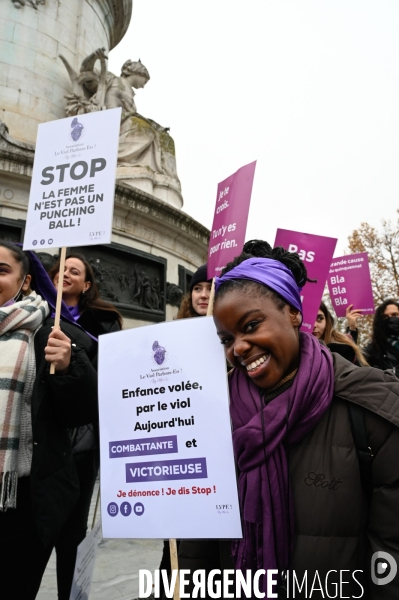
<point x="352" y="315"/>
<point x="349" y="284"/>
<point x="72" y="192"/>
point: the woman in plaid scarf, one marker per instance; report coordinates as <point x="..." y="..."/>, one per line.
<point x="38" y="483"/>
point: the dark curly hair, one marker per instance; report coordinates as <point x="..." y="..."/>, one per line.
<point x="379" y="341"/>
<point x="261" y="249"/>
<point x="186" y="310"/>
<point x="18" y="255"/>
<point x="90" y="300"/>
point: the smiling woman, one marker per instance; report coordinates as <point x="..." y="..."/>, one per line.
<point x="289" y="409"/>
<point x="80" y="294"/>
<point x="38" y="481"/>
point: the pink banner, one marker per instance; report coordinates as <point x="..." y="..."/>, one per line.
<point x="349" y="282"/>
<point x="230" y="220"/>
<point x="316" y="251"/>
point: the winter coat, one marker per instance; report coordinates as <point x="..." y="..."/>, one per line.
<point x="386" y="360"/>
<point x="85" y="438"/>
<point x="337" y="528"/>
<point x="58" y="403"/>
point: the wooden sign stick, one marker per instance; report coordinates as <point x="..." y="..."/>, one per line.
<point x="209" y="312"/>
<point x="96" y="508"/>
<point x="59" y="297"/>
<point x="174" y="566"/>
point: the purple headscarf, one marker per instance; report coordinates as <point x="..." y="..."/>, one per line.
<point x="269" y="272"/>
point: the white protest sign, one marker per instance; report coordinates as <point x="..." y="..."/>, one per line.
<point x="73" y="183"/>
<point x="167" y="466"/>
<point x="84" y="565"/>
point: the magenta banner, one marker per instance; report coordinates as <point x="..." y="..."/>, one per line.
<point x="316" y="251"/>
<point x="349" y="282"/>
<point x="230" y="220"/>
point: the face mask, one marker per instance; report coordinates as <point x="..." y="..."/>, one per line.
<point x="391" y="326"/>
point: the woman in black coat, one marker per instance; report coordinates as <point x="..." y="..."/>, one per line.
<point x="383" y="350"/>
<point x="96" y="317"/>
<point x="38" y="481"/>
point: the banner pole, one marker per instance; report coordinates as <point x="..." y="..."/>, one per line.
<point x="209" y="312"/>
<point x="59" y="297"/>
<point x="174" y="567"/>
<point x="96" y="508"/>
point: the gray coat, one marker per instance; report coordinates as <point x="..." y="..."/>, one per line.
<point x="337" y="528"/>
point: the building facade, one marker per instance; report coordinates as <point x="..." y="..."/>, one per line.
<point x="155" y="245"/>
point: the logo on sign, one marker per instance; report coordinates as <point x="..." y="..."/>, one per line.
<point x="112" y="509"/>
<point x="138" y="509"/>
<point x="77" y="129"/>
<point x="126" y="509"/>
<point x="159" y="353"/>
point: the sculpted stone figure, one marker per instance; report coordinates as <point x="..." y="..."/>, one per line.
<point x="146" y="149"/>
<point x="85" y="84"/>
<point x="21" y="3"/>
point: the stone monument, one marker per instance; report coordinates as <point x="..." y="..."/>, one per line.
<point x="146" y="157"/>
<point x="53" y="63"/>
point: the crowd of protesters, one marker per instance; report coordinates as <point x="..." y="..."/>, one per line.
<point x="306" y="410"/>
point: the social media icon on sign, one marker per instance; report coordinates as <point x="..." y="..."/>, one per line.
<point x="112" y="509"/>
<point x="138" y="509"/>
<point x="125" y="509"/>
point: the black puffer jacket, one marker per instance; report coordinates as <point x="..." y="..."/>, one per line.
<point x="85" y="438"/>
<point x="386" y="360"/>
<point x="58" y="403"/>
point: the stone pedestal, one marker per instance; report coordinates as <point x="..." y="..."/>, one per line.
<point x="147" y="218"/>
<point x="32" y="78"/>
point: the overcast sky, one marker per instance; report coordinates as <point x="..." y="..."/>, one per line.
<point x="308" y="88"/>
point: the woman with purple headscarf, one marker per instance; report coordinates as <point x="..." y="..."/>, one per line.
<point x="311" y="510"/>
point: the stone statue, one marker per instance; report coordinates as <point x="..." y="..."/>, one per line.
<point x="145" y="147"/>
<point x="86" y="84"/>
<point x="33" y="3"/>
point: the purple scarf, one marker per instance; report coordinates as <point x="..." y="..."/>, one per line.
<point x="259" y="448"/>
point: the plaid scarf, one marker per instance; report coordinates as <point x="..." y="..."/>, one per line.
<point x="18" y="325"/>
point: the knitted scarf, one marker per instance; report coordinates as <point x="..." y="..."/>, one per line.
<point x="18" y="324"/>
<point x="261" y="435"/>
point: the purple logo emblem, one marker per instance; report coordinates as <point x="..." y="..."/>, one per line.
<point x="112" y="509"/>
<point x="138" y="509"/>
<point x="126" y="509"/>
<point x="159" y="353"/>
<point x="77" y="129"/>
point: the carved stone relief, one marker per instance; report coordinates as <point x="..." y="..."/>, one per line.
<point x="174" y="294"/>
<point x="133" y="281"/>
<point x="33" y="3"/>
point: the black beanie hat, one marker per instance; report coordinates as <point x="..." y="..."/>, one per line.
<point x="199" y="276"/>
